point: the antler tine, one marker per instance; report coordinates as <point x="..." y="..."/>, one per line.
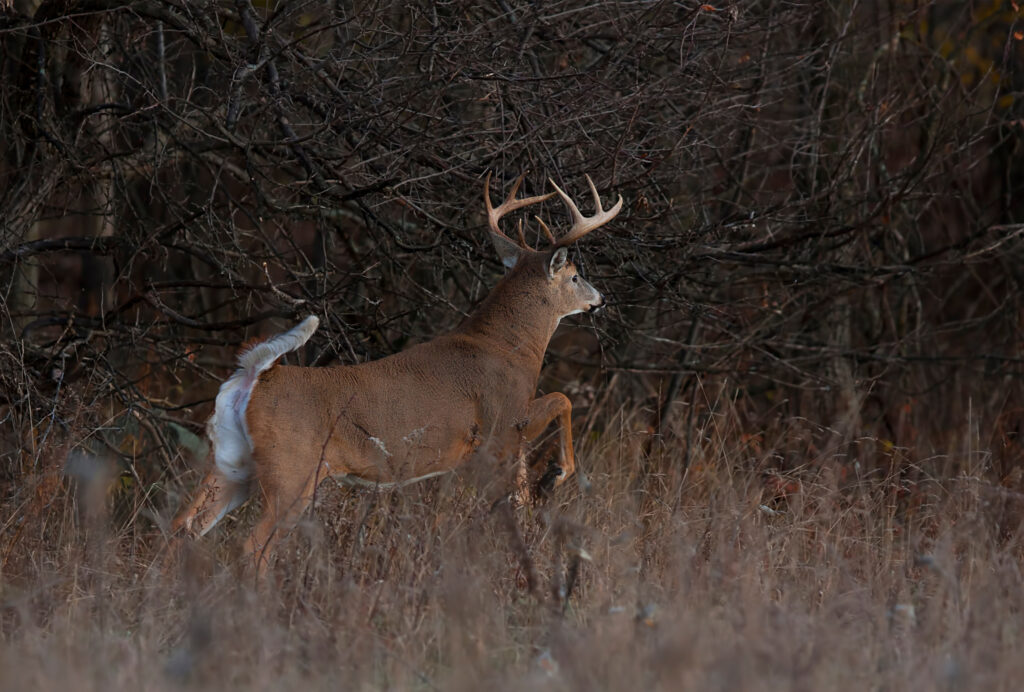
<point x="515" y="188"/>
<point x="593" y="191"/>
<point x="582" y="225"/>
<point x="547" y="231"/>
<point x="522" y="236"/>
<point x="510" y="204"/>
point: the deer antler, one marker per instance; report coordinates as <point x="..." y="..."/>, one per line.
<point x="582" y="225"/>
<point x="509" y="205"/>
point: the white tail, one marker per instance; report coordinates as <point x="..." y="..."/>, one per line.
<point x="264" y="354"/>
<point x="227" y="427"/>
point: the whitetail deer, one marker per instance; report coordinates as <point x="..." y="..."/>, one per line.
<point x="410" y="416"/>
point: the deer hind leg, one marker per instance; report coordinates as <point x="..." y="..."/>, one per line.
<point x="521" y="490"/>
<point x="539" y="414"/>
<point x="284" y="502"/>
<point x="217" y="495"/>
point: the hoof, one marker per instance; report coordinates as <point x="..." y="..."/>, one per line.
<point x="548" y="481"/>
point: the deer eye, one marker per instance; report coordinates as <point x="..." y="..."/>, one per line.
<point x="575" y="279"/>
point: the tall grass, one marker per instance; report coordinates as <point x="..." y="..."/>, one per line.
<point x="738" y="573"/>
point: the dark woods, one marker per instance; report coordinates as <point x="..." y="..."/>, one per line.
<point x="823" y="219"/>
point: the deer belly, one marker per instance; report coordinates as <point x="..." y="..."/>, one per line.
<point x="392" y="460"/>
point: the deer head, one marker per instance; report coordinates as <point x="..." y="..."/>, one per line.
<point x="550" y="270"/>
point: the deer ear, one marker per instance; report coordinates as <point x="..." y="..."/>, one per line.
<point x="558" y="259"/>
<point x="508" y="251"/>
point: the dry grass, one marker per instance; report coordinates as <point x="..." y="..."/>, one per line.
<point x="820" y="577"/>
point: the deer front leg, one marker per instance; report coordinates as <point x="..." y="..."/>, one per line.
<point x="539" y="413"/>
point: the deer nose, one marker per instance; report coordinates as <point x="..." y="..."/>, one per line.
<point x="598" y="305"/>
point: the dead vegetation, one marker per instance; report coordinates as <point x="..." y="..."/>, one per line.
<point x="736" y="577"/>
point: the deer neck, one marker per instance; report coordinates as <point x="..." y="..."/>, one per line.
<point x="514" y="318"/>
